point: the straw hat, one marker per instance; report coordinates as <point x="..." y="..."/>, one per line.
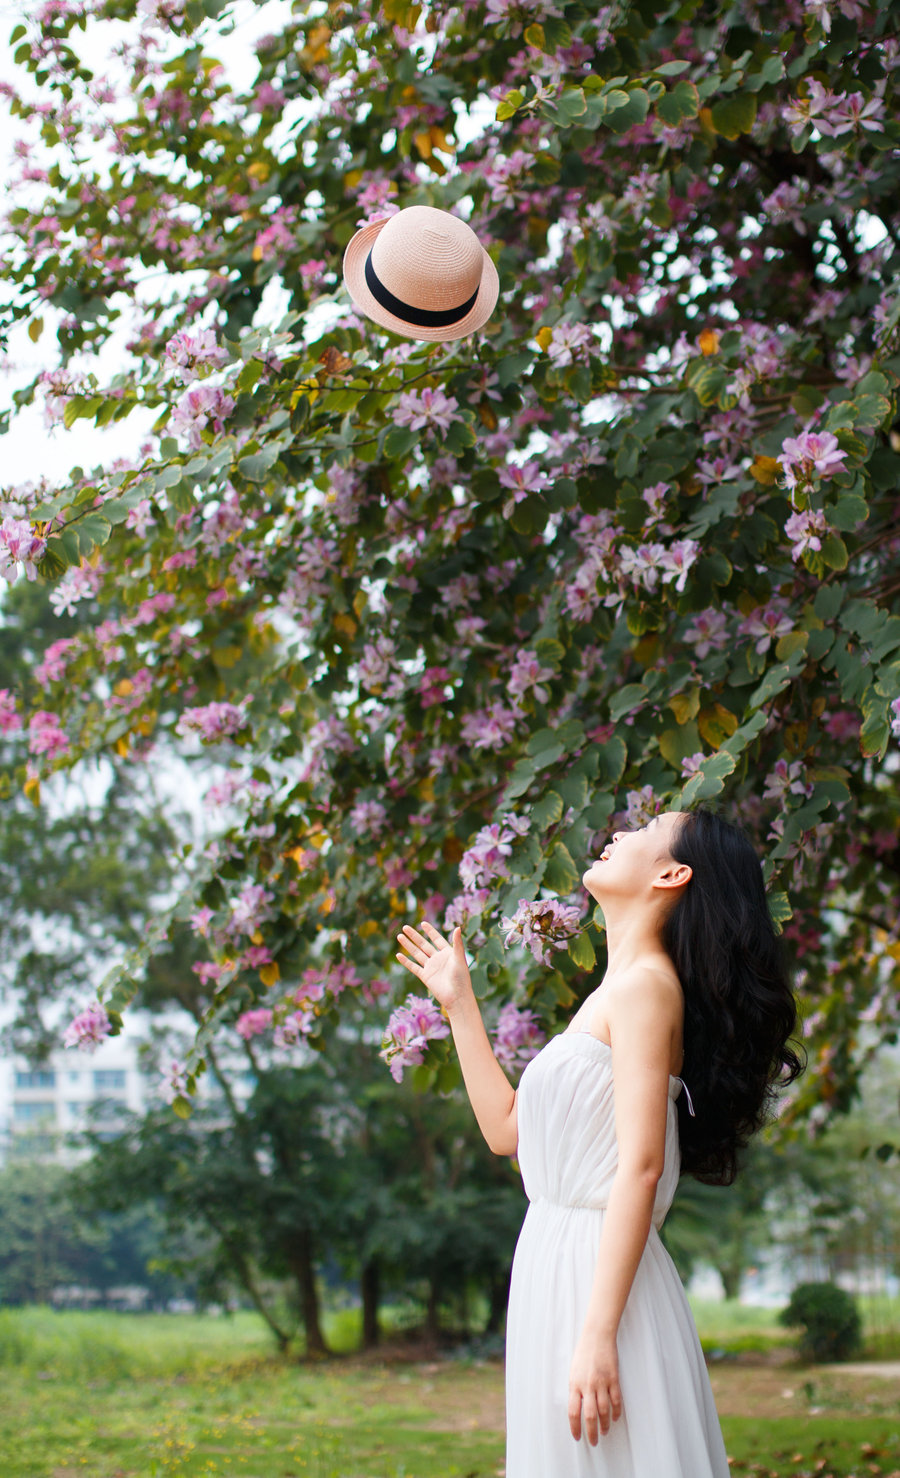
<point x="422" y="273"/>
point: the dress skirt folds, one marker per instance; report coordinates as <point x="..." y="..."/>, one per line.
<point x="568" y="1155"/>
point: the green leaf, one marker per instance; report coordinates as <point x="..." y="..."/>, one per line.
<point x="626" y="700"/>
<point x="710" y="779"/>
<point x="849" y="510"/>
<point x="399" y="441"/>
<point x="91" y="531"/>
<point x="779" y="909"/>
<point x="561" y="875"/>
<point x="682" y="102"/>
<point x="510" y="105"/>
<point x="549" y="652"/>
<point x="581" y="951"/>
<point x="168" y="476"/>
<point x="670" y="69"/>
<point x="182" y="1107"/>
<point x="251" y="374"/>
<point x="834" y="552"/>
<point x="548" y="810"/>
<point x="775" y="681"/>
<point x="523" y="772"/>
<point x="734" y="115"/>
<point x="534" y="36"/>
<point x="633" y="111"/>
<point x="255" y="467"/>
<point x="571" y="105"/>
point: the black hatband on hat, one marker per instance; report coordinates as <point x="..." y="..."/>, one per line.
<point x="423" y="317"/>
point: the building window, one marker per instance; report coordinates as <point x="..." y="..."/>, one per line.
<point x="74" y="1075"/>
<point x="109" y="1080"/>
<point x="31" y="1113"/>
<point x="36" y="1078"/>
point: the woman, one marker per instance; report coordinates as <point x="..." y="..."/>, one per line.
<point x="686" y="1038"/>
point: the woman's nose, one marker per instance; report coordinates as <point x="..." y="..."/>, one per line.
<point x="617" y="834"/>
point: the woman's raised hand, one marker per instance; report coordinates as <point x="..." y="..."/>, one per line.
<point x="439" y="963"/>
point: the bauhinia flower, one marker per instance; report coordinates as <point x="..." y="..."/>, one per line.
<point x="88" y="1028"/>
<point x="517" y="1037"/>
<point x="409" y="1030"/>
<point x="806" y="530"/>
<point x="542" y="925"/>
<point x="429" y="409"/>
<point x="810" y="455"/>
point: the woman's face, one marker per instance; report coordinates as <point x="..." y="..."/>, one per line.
<point x="631" y="860"/>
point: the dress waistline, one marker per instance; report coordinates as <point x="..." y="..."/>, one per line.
<point x="656" y="1220"/>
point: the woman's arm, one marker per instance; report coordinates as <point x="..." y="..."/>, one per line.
<point x="441" y="965"/>
<point x="640" y="1017"/>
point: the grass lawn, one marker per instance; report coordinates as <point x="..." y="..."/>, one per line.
<point x="118" y="1396"/>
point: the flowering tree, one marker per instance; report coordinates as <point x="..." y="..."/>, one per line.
<point x="447" y="613"/>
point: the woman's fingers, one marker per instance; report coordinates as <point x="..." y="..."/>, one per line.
<point x="594" y="1411"/>
<point x="410" y="965"/>
<point x="414" y="940"/>
<point x="436" y="936"/>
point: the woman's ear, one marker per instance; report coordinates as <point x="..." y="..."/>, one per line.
<point x="673" y="875"/>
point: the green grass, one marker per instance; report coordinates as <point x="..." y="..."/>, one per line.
<point x="156" y="1396"/>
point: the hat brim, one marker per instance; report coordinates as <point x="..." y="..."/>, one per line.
<point x="355" y="280"/>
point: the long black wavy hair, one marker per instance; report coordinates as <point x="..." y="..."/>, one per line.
<point x="739" y="1006"/>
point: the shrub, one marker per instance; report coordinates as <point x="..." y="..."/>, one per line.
<point x="828" y="1318"/>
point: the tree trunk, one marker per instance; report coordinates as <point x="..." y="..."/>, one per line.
<point x="730" y="1273"/>
<point x="370" y="1288"/>
<point x="304" y="1270"/>
<point x="432" y="1320"/>
<point x="499" y="1293"/>
<point x="242" y="1269"/>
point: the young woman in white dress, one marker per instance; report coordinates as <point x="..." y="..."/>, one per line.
<point x="667" y="1067"/>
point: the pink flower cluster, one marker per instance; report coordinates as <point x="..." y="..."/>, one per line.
<point x="517" y="1037"/>
<point x="250" y="909"/>
<point x="409" y="1030"/>
<point x="430" y="410"/>
<point x="806" y="530"/>
<point x="491" y="727"/>
<point x="173" y="1083"/>
<point x="810" y="455"/>
<point x="895" y="718"/>
<point x="527" y="674"/>
<point x="833" y="113"/>
<point x="486" y="858"/>
<point x="199" y="407"/>
<point x="88" y="1029"/>
<point x="10" y="718"/>
<point x="19" y="545"/>
<point x="214" y="721"/>
<point x="45" y="736"/>
<point x="78" y="583"/>
<point x="194" y="355"/>
<point x="254" y="1023"/>
<point x="542" y="926"/>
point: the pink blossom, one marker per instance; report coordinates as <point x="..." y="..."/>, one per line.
<point x="201" y="919"/>
<point x="527" y="674"/>
<point x="490" y="728"/>
<point x="10" y="718"/>
<point x="517" y="1037"/>
<point x="855" y="112"/>
<point x="19" y="545"/>
<point x="692" y="764"/>
<point x="432" y="684"/>
<point x="640" y="807"/>
<point x="77" y="584"/>
<point x="809" y="455"/>
<point x="214" y="721"/>
<point x="786" y="779"/>
<point x="375" y="663"/>
<point x="542" y="926"/>
<point x="571" y="341"/>
<point x="249" y="909"/>
<point x="253" y="1023"/>
<point x="806" y="531"/>
<point x="766" y="623"/>
<point x="45" y="735"/>
<point x="466" y="906"/>
<point x="676" y="561"/>
<point x="88" y="1029"/>
<point x="409" y="1030"/>
<point x="842" y="724"/>
<point x="895" y="718"/>
<point x="294" y="1028"/>
<point x="707" y="632"/>
<point x="173" y="1083"/>
<point x="52" y="666"/>
<point x="429" y="409"/>
<point x="194" y="355"/>
<point x="655" y="498"/>
<point x="485" y="859"/>
<point x="199" y="407"/>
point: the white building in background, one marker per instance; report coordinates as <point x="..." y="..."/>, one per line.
<point x="42" y="1106"/>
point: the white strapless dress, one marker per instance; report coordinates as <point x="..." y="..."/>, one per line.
<point x="567" y="1154"/>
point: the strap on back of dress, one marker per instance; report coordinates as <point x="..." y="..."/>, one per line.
<point x="687" y="1095"/>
